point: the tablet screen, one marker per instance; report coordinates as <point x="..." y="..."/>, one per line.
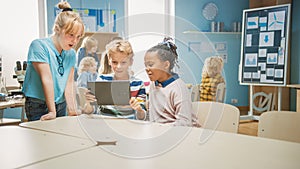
<point x="115" y="92"/>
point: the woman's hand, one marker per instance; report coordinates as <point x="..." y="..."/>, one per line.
<point x="49" y="116"/>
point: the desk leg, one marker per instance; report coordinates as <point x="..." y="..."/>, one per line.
<point x="23" y="114"/>
<point x="1" y="114"/>
<point x="298" y="101"/>
<point x="279" y="95"/>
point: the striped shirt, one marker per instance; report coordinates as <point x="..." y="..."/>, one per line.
<point x="137" y="90"/>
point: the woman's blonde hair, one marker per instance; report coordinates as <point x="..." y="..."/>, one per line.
<point x="212" y="66"/>
<point x="89" y="42"/>
<point x="67" y="20"/>
<point x="86" y="63"/>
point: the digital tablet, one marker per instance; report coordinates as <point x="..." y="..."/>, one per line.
<point x="116" y="92"/>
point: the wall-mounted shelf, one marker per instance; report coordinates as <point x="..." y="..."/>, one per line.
<point x="199" y="32"/>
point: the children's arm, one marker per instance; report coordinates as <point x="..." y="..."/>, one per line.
<point x="183" y="107"/>
<point x="184" y="114"/>
<point x="86" y="97"/>
<point x="44" y="72"/>
<point x="70" y="95"/>
<point x="135" y="104"/>
<point x="88" y="107"/>
<point x="138" y="103"/>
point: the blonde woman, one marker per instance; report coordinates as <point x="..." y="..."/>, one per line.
<point x="49" y="80"/>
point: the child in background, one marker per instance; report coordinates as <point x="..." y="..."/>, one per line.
<point x="211" y="77"/>
<point x="87" y="71"/>
<point x="169" y="98"/>
<point x="88" y="47"/>
<point x="120" y="58"/>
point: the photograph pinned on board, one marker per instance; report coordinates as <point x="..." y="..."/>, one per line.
<point x="251" y="60"/>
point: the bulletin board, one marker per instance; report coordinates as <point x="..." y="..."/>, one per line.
<point x="264" y="46"/>
<point x="96" y="20"/>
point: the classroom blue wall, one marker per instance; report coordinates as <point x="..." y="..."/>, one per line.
<point x="189" y="17"/>
<point x="91" y="4"/>
<point x="228" y="11"/>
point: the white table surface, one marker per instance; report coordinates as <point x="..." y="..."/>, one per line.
<point x="22" y="146"/>
<point x="222" y="150"/>
<point x="67" y="125"/>
<point x="99" y="128"/>
<point x="148" y="145"/>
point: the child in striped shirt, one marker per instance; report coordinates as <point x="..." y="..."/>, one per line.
<point x="120" y="57"/>
<point x="169" y="99"/>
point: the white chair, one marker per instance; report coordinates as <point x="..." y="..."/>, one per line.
<point x="195" y="93"/>
<point x="217" y="116"/>
<point x="282" y="125"/>
<point x="220" y="93"/>
<point x="265" y="102"/>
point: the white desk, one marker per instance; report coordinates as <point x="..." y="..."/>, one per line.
<point x="100" y="128"/>
<point x="68" y="125"/>
<point x="148" y="145"/>
<point x="21" y="146"/>
<point x="11" y="104"/>
<point x="221" y="150"/>
<point x="78" y="126"/>
<point x="8" y="121"/>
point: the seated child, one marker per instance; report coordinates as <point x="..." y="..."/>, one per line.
<point x="120" y="59"/>
<point x="88" y="47"/>
<point x="169" y="99"/>
<point x="87" y="71"/>
<point x="211" y="77"/>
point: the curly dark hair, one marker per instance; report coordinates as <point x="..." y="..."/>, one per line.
<point x="166" y="51"/>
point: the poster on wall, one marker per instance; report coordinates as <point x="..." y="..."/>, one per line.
<point x="264" y="54"/>
<point x="96" y="20"/>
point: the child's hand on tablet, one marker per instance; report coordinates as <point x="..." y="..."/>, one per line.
<point x="135" y="104"/>
<point x="90" y="97"/>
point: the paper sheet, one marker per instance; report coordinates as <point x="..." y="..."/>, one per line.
<point x="266" y="39"/>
